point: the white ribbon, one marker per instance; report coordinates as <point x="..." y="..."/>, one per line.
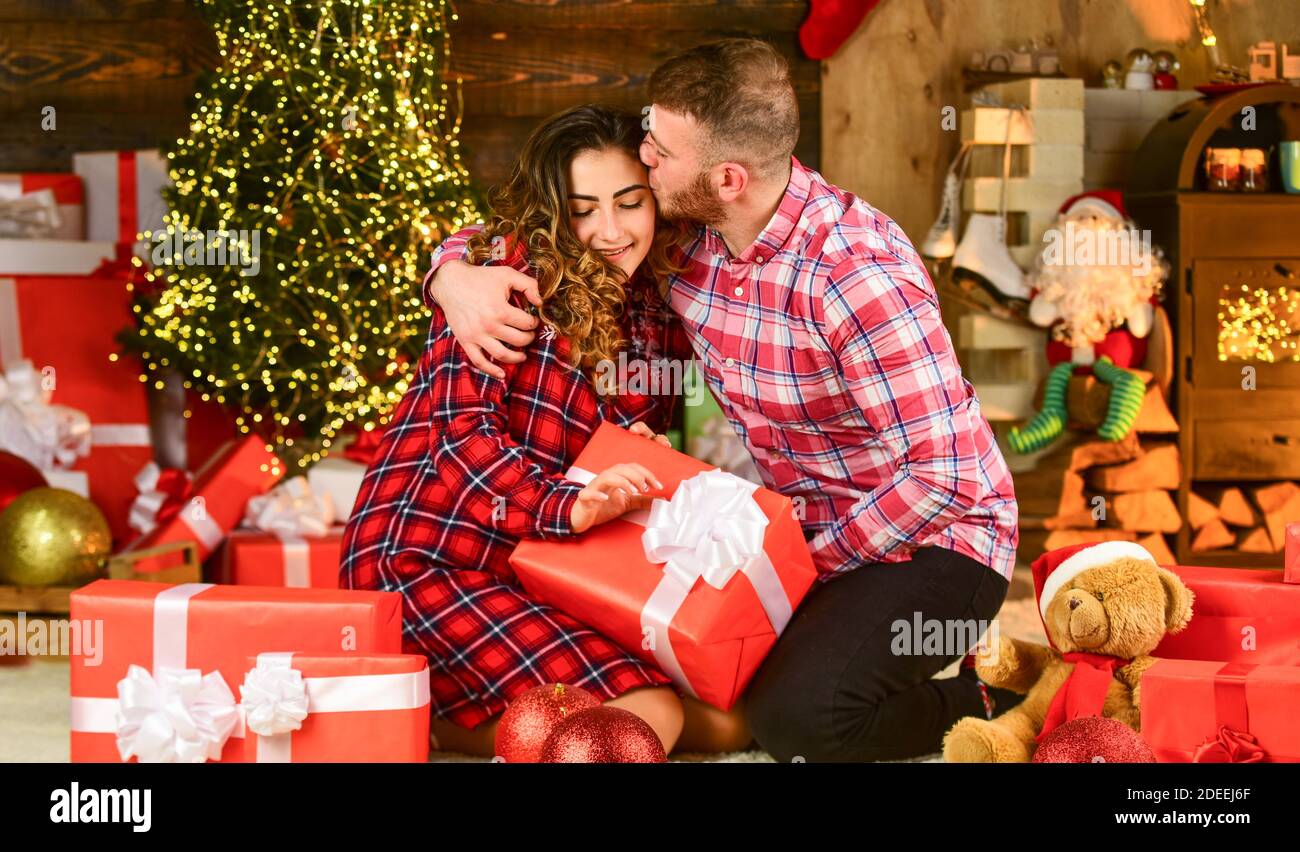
<point x="710" y="530"/>
<point x="294" y="513"/>
<point x="177" y="716"/>
<point x="277" y="699"/>
<point x="274" y="700"/>
<point x="34" y="215"/>
<point x="174" y="714"/>
<point x="48" y="436"/>
<point x="143" y="515"/>
<point x="291" y="508"/>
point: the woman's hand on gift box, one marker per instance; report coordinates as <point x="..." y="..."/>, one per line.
<point x="639" y="428"/>
<point x="615" y="491"/>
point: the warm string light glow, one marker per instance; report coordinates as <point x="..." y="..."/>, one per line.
<point x="1260" y="325"/>
<point x="327" y="128"/>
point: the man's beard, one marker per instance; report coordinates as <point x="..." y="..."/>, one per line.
<point x="697" y="203"/>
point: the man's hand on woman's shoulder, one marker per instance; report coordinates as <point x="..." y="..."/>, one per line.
<point x="476" y="302"/>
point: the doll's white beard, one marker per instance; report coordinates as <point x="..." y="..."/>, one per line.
<point x="1094" y="299"/>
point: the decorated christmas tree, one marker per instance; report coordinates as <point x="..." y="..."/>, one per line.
<point x="320" y="169"/>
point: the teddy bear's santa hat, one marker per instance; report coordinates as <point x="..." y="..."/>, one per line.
<point x="1055" y="569"/>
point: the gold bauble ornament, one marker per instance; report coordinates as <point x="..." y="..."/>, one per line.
<point x="52" y="537"/>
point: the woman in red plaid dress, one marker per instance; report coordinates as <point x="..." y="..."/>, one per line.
<point x="471" y="463"/>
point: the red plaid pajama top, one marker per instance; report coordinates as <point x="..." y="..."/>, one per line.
<point x="469" y="465"/>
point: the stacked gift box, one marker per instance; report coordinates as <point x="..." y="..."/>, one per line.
<point x="199" y="672"/>
<point x="1225" y="688"/>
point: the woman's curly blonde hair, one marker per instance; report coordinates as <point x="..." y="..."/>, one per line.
<point x="583" y="294"/>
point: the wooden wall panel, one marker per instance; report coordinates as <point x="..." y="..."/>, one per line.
<point x="121" y="72"/>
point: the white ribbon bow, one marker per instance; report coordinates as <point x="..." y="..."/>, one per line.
<point x="143" y="515"/>
<point x="710" y="529"/>
<point x="274" y="698"/>
<point x="291" y="509"/>
<point x="181" y="716"/>
<point x="33" y="215"/>
<point x="48" y="436"/>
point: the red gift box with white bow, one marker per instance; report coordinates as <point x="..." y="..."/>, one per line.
<point x="42" y="205"/>
<point x="289" y="538"/>
<point x="701" y="584"/>
<point x="171" y="507"/>
<point x="336" y="708"/>
<point x="156" y="668"/>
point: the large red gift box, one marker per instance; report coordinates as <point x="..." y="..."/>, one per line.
<point x="58" y="312"/>
<point x="336" y="708"/>
<point x="170" y="654"/>
<point x="255" y="558"/>
<point x="1201" y="711"/>
<point x="217" y="497"/>
<point x="1238" y="615"/>
<point x="736" y="567"/>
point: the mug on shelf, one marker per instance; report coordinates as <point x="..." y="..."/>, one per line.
<point x="1288" y="155"/>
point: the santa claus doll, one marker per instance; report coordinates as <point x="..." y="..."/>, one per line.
<point x="1095" y="285"/>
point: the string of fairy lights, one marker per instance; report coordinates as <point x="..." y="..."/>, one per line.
<point x="327" y="127"/>
<point x="1260" y="325"/>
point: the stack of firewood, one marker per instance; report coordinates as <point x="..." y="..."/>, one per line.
<point x="1252" y="520"/>
<point x="1085" y="489"/>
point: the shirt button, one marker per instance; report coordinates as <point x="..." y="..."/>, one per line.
<point x="731" y="362"/>
<point x="739" y="291"/>
<point x="758" y="258"/>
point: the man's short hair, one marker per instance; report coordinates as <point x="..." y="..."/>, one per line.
<point x="738" y="91"/>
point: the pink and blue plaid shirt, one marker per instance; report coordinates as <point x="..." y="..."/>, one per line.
<point x="823" y="344"/>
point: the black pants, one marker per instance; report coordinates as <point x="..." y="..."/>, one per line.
<point x="841" y="685"/>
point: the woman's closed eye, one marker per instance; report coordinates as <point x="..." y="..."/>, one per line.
<point x="582" y="214"/>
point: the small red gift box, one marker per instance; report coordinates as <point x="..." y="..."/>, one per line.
<point x="214" y="502"/>
<point x="254" y="558"/>
<point x="159" y="682"/>
<point x="1238" y="615"/>
<point x="336" y="708"/>
<point x="1198" y="711"/>
<point x="731" y="567"/>
<point x="1291" y="571"/>
<point x="61" y="191"/>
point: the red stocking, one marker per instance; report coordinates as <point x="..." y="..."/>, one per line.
<point x="830" y="23"/>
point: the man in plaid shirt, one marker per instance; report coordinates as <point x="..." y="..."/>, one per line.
<point x="818" y="329"/>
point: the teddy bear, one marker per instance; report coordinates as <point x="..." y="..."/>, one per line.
<point x="1105" y="607"/>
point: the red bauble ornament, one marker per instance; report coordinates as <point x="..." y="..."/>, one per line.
<point x="16" y="476"/>
<point x="531" y="717"/>
<point x="604" y="735"/>
<point x="1093" y="739"/>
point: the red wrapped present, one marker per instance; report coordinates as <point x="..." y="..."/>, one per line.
<point x="290" y="540"/>
<point x="172" y="508"/>
<point x="1199" y="711"/>
<point x="42" y="205"/>
<point x="123" y="194"/>
<point x="1238" y="615"/>
<point x="159" y="684"/>
<point x="336" y="708"/>
<point x="1291" y="571"/>
<point x="76" y="357"/>
<point x="255" y="558"/>
<point x="701" y="585"/>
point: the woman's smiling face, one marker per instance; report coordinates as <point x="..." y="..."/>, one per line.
<point x="611" y="207"/>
